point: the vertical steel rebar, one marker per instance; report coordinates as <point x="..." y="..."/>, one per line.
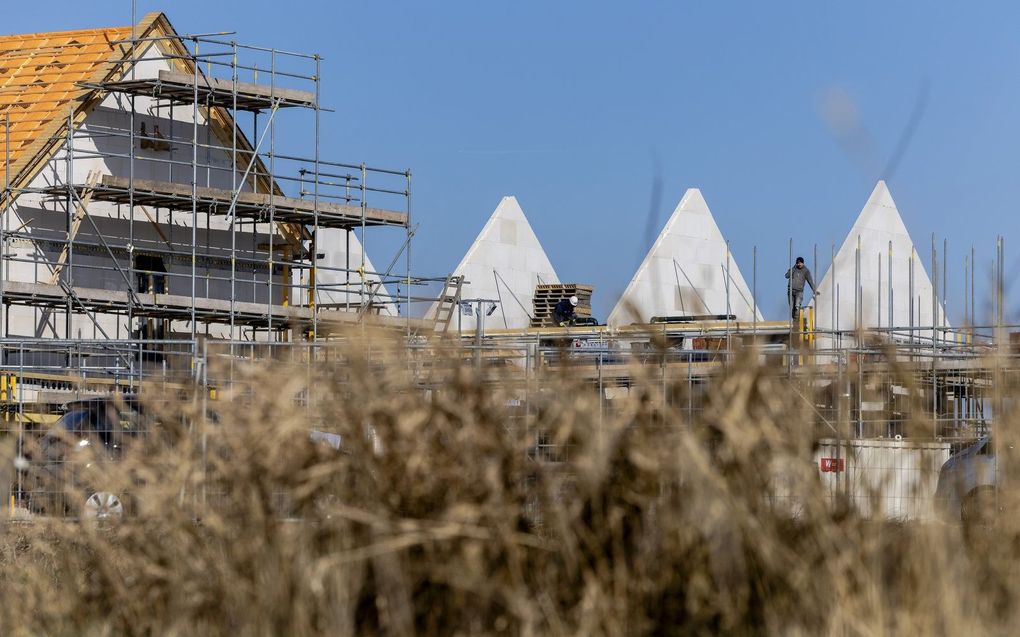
<point x="889" y="277"/>
<point x="973" y="307"/>
<point x="934" y="292"/>
<point x="943" y="322"/>
<point x="754" y="293"/>
<point x="194" y="192"/>
<point x="255" y="189"/>
<point x="966" y="291"/>
<point x="1000" y="283"/>
<point x="131" y="198"/>
<point x="878" y="295"/>
<point x="234" y="188"/>
<point x="69" y="184"/>
<point x="934" y="338"/>
<point x="131" y="177"/>
<point x="814" y="264"/>
<point x="910" y="288"/>
<point x="729" y="309"/>
<point x="857" y="290"/>
<point x="834" y="296"/>
<point x="9" y="205"/>
<point x="790" y="308"/>
<point x="315" y="206"/>
<point x="347" y="267"/>
<point x="834" y="336"/>
<point x="21" y="410"/>
<point x="407" y="268"/>
<point x="364" y="243"/>
<point x="996" y="264"/>
<point x="272" y="191"/>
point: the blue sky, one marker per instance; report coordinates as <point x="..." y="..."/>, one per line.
<point x="577" y="107"/>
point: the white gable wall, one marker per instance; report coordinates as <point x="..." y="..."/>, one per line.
<point x="685" y="272"/>
<point x="505" y="263"/>
<point x="880" y="238"/>
<point x="337" y="286"/>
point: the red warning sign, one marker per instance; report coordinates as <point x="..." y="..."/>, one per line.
<point x="832" y="465"/>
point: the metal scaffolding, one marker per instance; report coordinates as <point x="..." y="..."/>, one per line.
<point x="202" y="222"/>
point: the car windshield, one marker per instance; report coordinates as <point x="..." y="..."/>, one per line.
<point x="104" y="419"/>
<point x="74" y="421"/>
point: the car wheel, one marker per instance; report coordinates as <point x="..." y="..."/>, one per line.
<point x="103" y="505"/>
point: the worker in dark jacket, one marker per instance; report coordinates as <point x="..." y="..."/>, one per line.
<point x="798" y="275"/>
<point x="563" y="313"/>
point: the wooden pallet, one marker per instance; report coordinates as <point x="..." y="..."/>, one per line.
<point x="547" y="295"/>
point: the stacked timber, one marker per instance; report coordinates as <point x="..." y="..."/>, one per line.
<point x="547" y="295"/>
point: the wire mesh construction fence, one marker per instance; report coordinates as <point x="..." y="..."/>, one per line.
<point x="71" y="405"/>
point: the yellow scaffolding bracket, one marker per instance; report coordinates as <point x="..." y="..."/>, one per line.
<point x="806" y="327"/>
<point x="8" y="388"/>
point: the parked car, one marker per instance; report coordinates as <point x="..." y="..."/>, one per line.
<point x="966" y="490"/>
<point x="95" y="429"/>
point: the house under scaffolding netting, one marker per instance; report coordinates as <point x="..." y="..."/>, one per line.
<point x="147" y="195"/>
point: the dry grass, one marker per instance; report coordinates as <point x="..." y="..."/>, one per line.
<point x="442" y="525"/>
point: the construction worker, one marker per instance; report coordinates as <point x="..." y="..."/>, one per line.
<point x="798" y="275"/>
<point x="563" y="313"/>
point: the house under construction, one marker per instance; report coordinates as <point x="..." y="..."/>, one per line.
<point x="145" y="195"/>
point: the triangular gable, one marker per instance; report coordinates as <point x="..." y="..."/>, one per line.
<point x="685" y="272"/>
<point x="886" y="250"/>
<point x="505" y="263"/>
<point x="45" y="76"/>
<point x="340" y="289"/>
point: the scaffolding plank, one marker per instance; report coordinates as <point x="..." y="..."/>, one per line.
<point x="213" y="91"/>
<point x="250" y="205"/>
<point x="178" y="307"/>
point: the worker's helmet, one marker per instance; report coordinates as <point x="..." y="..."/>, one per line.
<point x="573" y="300"/>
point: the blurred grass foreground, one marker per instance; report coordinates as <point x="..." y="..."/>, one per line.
<point x="467" y="502"/>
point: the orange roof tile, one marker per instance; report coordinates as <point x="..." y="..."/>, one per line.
<point x="42" y="76"/>
<point x="40" y="79"/>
